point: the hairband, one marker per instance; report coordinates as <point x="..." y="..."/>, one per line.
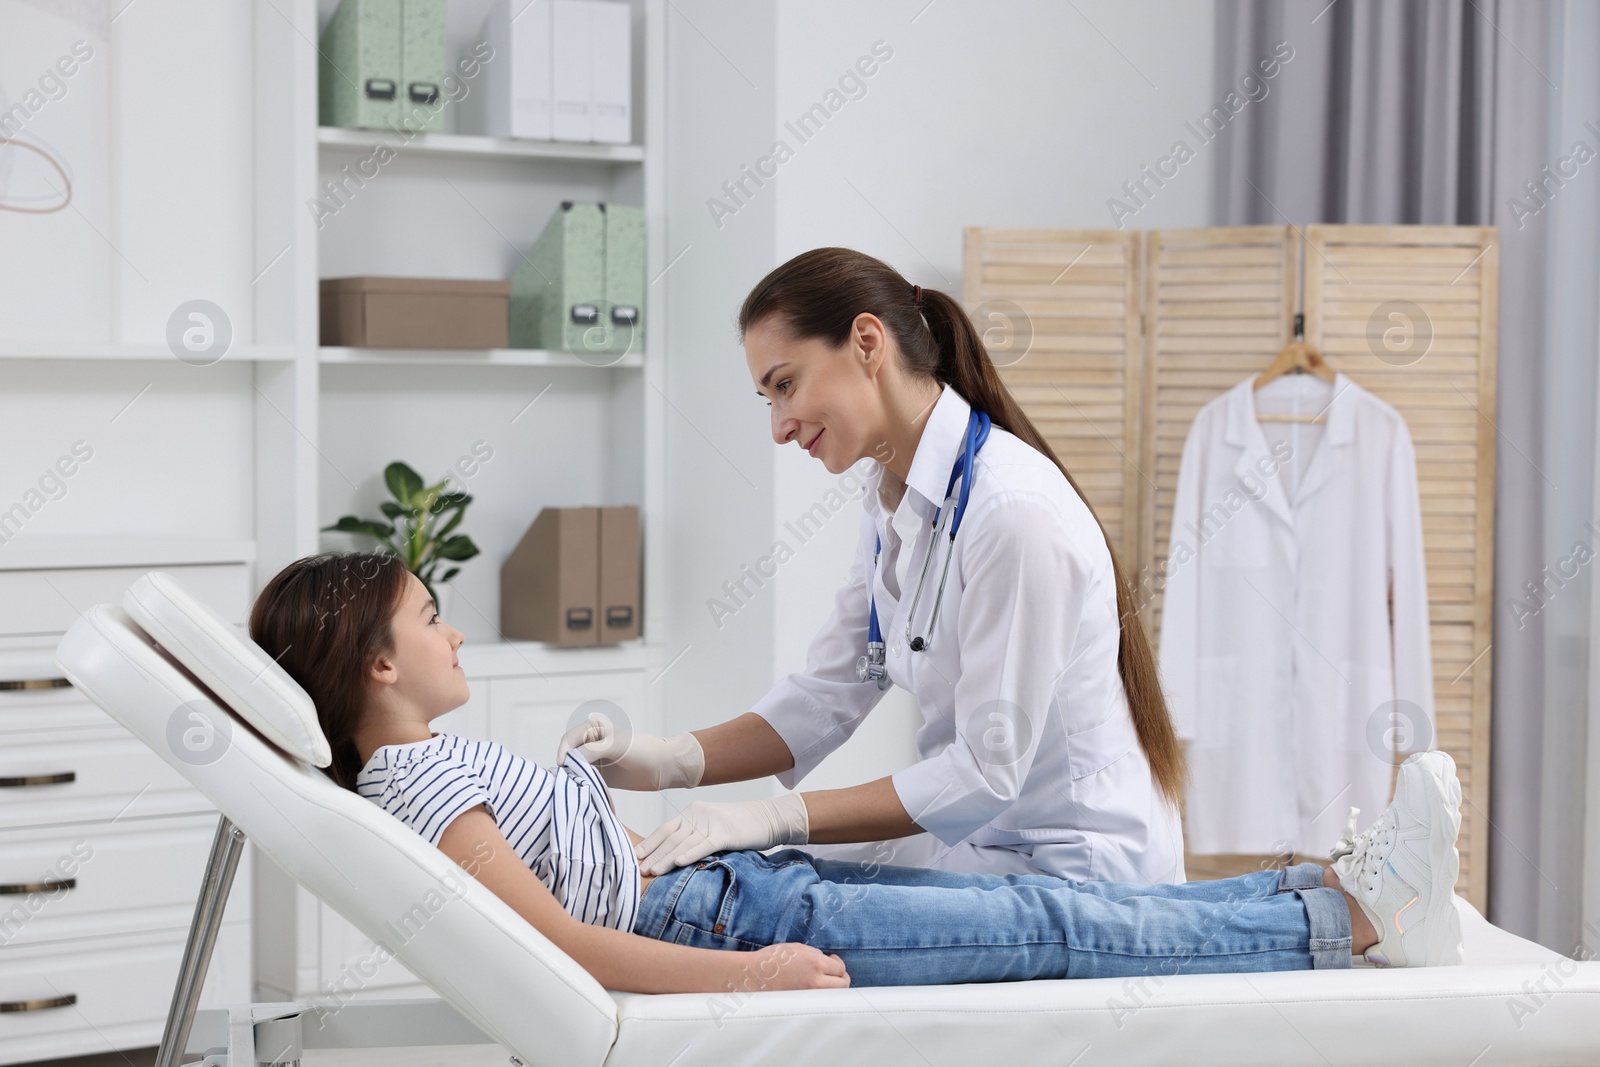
<point x="917" y="290"/>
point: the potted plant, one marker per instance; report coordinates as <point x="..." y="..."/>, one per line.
<point x="419" y="530"/>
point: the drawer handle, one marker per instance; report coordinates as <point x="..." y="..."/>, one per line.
<point x="34" y="683"/>
<point x="18" y="781"/>
<point x="49" y="885"/>
<point x="40" y="1003"/>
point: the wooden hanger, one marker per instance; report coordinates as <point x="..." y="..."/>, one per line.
<point x="1297" y="357"/>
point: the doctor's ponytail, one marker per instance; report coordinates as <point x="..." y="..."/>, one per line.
<point x="818" y="294"/>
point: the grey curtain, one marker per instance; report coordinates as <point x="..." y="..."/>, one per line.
<point x="1442" y="112"/>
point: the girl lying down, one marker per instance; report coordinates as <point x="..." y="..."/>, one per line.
<point x="360" y="633"/>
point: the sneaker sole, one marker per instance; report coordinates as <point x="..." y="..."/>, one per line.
<point x="1443" y="943"/>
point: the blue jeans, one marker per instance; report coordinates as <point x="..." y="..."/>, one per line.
<point x="912" y="926"/>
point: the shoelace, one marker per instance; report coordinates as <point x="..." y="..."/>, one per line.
<point x="1370" y="847"/>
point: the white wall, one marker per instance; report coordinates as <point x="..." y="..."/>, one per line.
<point x="1021" y="113"/>
<point x="720" y="55"/>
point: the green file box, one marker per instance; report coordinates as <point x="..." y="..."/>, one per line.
<point x="558" y="289"/>
<point x="381" y="65"/>
<point x="422" y="65"/>
<point x="624" y="270"/>
<point x="581" y="288"/>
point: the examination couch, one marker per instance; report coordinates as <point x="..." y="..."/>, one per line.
<point x="161" y="653"/>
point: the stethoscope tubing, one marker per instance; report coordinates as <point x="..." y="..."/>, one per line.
<point x="945" y="520"/>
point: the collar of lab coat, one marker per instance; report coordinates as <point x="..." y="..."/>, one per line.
<point x="943" y="438"/>
<point x="1328" y="458"/>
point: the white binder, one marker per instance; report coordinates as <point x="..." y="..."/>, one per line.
<point x="513" y="91"/>
<point x="572" y="64"/>
<point x="611" y="71"/>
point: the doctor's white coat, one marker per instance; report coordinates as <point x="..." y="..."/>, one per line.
<point x="1281" y="667"/>
<point x="1030" y="761"/>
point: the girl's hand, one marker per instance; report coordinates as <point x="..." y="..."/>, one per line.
<point x="793" y="966"/>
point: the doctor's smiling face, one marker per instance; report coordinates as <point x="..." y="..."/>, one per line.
<point x="839" y="403"/>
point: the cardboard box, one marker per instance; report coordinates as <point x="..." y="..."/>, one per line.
<point x="375" y="312"/>
<point x="619" y="574"/>
<point x="574" y="578"/>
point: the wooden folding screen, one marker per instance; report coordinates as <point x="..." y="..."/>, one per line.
<point x="1113" y="340"/>
<point x="1059" y="313"/>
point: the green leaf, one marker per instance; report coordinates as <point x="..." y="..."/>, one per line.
<point x="451" y="573"/>
<point x="459" y="547"/>
<point x="393" y="510"/>
<point x="403" y="482"/>
<point x="455" y="520"/>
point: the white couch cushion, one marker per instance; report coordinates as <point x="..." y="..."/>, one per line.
<point x="238" y="670"/>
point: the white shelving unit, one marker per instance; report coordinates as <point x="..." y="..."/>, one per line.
<point x="232" y="469"/>
<point x="334" y="138"/>
<point x="474" y="357"/>
<point x="156" y="351"/>
<point x="565" y="429"/>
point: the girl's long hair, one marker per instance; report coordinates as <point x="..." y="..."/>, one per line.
<point x="326" y="619"/>
<point x="818" y="294"/>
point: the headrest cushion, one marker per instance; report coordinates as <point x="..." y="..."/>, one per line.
<point x="238" y="670"/>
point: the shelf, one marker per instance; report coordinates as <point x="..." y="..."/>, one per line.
<point x="457" y="144"/>
<point x="131" y="350"/>
<point x="121" y="550"/>
<point x="477" y="357"/>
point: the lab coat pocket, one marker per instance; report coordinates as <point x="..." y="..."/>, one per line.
<point x="1098" y="747"/>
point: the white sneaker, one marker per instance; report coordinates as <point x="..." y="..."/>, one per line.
<point x="1402" y="869"/>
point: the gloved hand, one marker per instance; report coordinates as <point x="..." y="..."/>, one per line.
<point x="635" y="761"/>
<point x="704" y="828"/>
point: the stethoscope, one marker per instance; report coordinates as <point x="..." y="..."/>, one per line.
<point x="871" y="666"/>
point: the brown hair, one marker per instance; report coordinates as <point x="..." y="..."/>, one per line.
<point x="819" y="293"/>
<point x="325" y="619"/>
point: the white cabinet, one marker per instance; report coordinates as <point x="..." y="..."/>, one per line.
<point x="102" y="850"/>
<point x="232" y="464"/>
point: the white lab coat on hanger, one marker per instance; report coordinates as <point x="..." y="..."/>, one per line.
<point x="1280" y="665"/>
<point x="1030" y="762"/>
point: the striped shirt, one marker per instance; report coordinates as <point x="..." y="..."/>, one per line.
<point x="560" y="822"/>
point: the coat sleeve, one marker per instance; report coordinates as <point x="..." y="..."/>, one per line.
<point x="1408" y="584"/>
<point x="817" y="709"/>
<point x="1177" y="650"/>
<point x="1023" y="590"/>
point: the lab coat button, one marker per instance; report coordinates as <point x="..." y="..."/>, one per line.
<point x="895" y="648"/>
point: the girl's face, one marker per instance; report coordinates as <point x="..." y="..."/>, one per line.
<point x="824" y="399"/>
<point x="423" y="668"/>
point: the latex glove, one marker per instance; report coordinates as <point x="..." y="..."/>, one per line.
<point x="704" y="828"/>
<point x="634" y="760"/>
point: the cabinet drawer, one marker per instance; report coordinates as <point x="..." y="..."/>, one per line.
<point x="87" y="775"/>
<point x="49" y="601"/>
<point x="122" y="987"/>
<point x="92" y="879"/>
<point x="49" y="709"/>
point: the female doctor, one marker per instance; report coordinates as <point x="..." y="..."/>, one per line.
<point x="983" y="583"/>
